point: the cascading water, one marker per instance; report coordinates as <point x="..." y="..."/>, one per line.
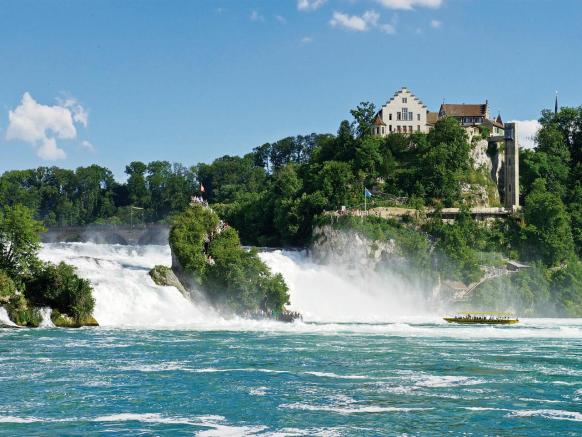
<point x="45" y="313"/>
<point x="335" y="293"/>
<point x="125" y="295"/>
<point x="4" y="319"/>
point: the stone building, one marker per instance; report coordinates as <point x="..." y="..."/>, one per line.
<point x="403" y="113"/>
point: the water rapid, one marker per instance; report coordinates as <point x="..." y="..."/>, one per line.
<point x="332" y="298"/>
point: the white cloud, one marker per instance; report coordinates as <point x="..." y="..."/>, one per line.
<point x="306" y="40"/>
<point x="87" y="146"/>
<point x="526" y="132"/>
<point x="41" y="125"/>
<point x="281" y="19"/>
<point x="255" y="16"/>
<point x="49" y="151"/>
<point x="80" y="114"/>
<point x="388" y="28"/>
<point x="410" y="4"/>
<point x="436" y="24"/>
<point x="310" y="5"/>
<point x="354" y="22"/>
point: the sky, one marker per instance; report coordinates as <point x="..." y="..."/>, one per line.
<point x="113" y="81"/>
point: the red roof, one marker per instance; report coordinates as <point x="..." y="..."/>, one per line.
<point x="378" y="120"/>
<point x="464" y="110"/>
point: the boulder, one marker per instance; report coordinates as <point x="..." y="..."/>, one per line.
<point x="166" y="277"/>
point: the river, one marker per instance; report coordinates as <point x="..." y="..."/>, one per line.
<point x="363" y="363"/>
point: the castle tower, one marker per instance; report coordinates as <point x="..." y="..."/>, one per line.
<point x="511" y="167"/>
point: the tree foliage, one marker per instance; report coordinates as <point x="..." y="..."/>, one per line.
<point x="211" y="254"/>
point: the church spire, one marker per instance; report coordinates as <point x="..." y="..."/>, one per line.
<point x="556" y="104"/>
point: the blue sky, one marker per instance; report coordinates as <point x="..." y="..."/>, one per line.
<point x="111" y="81"/>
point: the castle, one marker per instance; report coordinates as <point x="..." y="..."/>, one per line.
<point x="405" y="113"/>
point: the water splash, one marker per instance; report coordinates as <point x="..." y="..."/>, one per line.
<point x="46" y="322"/>
<point x="125" y="295"/>
<point x="333" y="292"/>
<point x="5" y="320"/>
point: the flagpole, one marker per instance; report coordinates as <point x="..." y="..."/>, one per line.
<point x="365" y="202"/>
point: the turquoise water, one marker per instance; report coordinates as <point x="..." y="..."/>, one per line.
<point x="307" y="379"/>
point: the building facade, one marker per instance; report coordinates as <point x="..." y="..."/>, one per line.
<point x="403" y="113"/>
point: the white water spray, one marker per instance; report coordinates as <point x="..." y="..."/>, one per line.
<point x="125" y="295"/>
<point x="325" y="293"/>
<point x="5" y="320"/>
<point x="46" y="322"/>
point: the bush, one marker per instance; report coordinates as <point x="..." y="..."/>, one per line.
<point x="7" y="287"/>
<point x="59" y="287"/>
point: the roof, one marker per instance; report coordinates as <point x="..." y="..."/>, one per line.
<point x="432" y="117"/>
<point x="378" y="120"/>
<point x="464" y="110"/>
<point x="494" y="123"/>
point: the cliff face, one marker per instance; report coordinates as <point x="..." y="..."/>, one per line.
<point x="349" y="248"/>
<point x="487" y="161"/>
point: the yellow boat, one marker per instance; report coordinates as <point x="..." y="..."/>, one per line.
<point x="476" y="318"/>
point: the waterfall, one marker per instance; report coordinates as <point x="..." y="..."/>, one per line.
<point x="5" y="320"/>
<point x="337" y="293"/>
<point x="45" y="313"/>
<point x="125" y="295"/>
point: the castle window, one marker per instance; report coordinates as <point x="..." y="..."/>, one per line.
<point x="410" y="129"/>
<point x="382" y="130"/>
<point x="418" y="128"/>
<point x="398" y="116"/>
<point x="418" y="117"/>
<point x="404" y="100"/>
<point x="398" y="128"/>
<point x="390" y="128"/>
<point x="389" y="116"/>
<point x="410" y="116"/>
<point x="404" y="113"/>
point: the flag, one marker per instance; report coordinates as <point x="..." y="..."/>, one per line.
<point x="202" y="188"/>
<point x="367" y="194"/>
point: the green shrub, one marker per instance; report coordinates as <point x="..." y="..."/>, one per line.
<point x="59" y="287"/>
<point x="7" y="287"/>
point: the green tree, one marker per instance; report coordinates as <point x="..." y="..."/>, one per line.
<point x="136" y="184"/>
<point x="547" y="233"/>
<point x="363" y="117"/>
<point x="19" y="240"/>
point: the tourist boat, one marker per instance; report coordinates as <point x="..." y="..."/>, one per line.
<point x="475" y="318"/>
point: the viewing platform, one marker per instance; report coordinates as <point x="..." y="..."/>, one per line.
<point x="479" y="213"/>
